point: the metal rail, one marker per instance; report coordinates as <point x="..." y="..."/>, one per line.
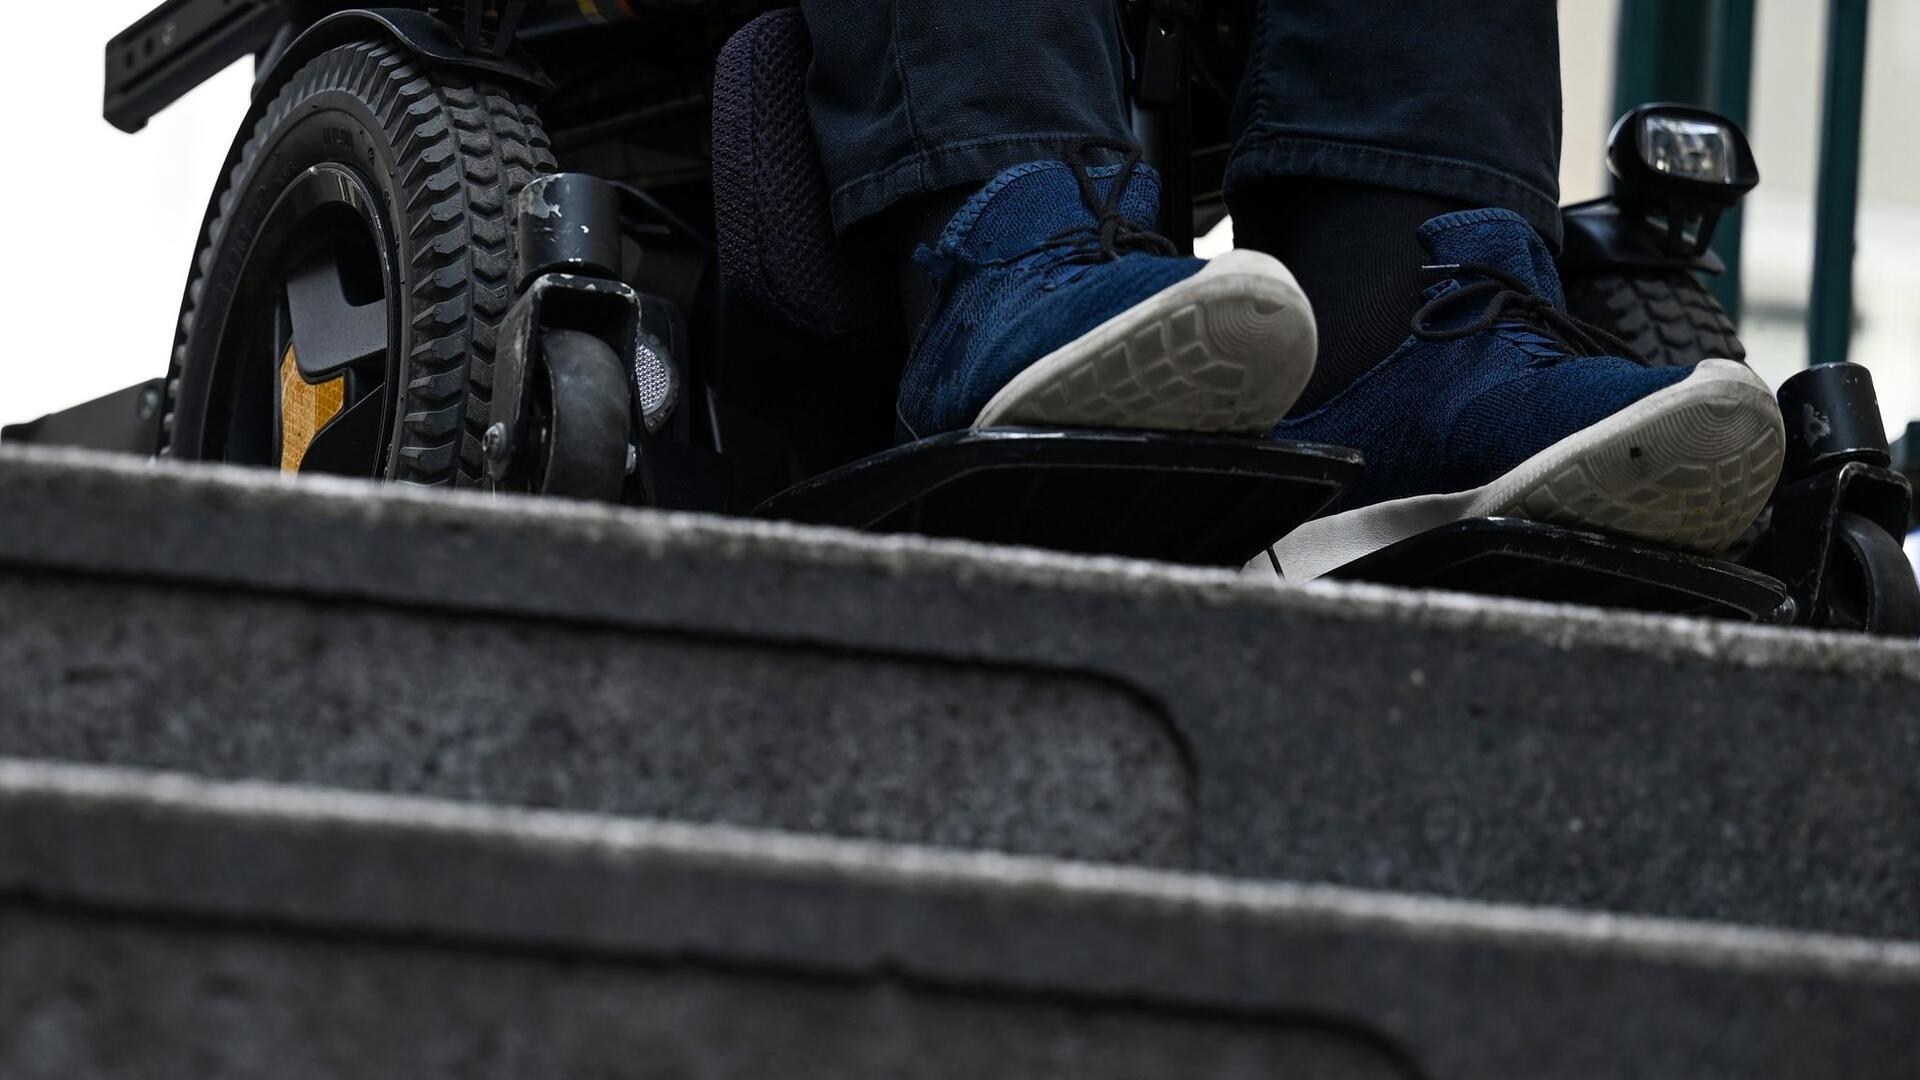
<point x="1730" y="88"/>
<point x="1837" y="197"/>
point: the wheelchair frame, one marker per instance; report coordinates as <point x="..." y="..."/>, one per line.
<point x="953" y="485"/>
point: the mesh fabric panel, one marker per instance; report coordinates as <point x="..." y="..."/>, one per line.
<point x="776" y="238"/>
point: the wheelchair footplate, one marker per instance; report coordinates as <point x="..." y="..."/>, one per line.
<point x="1199" y="499"/>
<point x="1535" y="561"/>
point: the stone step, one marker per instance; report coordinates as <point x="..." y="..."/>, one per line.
<point x="160" y="926"/>
<point x="541" y="653"/>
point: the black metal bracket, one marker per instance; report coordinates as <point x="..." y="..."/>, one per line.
<point x="572" y="223"/>
<point x="1813" y="543"/>
<point x="176" y="47"/>
<point x="1163" y="101"/>
<point x="568" y="228"/>
<point x="1840" y="512"/>
<point x="568" y="223"/>
<point x="1161" y="78"/>
<point x="506" y="26"/>
<point x="608" y="310"/>
<point x="125" y="420"/>
<point x="1599" y="235"/>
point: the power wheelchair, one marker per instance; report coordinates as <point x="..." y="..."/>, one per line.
<point x="582" y="248"/>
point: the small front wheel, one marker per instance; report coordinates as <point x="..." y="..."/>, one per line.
<point x="1869" y="584"/>
<point x="580" y="418"/>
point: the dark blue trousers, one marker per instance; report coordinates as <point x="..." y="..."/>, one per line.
<point x="1444" y="97"/>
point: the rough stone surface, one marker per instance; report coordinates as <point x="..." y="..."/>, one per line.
<point x="163" y="926"/>
<point x="214" y="1002"/>
<point x="1413" y="742"/>
<point x="798" y="738"/>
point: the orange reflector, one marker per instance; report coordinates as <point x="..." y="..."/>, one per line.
<point x="304" y="410"/>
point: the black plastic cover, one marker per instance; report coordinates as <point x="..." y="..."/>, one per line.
<point x="1536" y="561"/>
<point x="1176" y="498"/>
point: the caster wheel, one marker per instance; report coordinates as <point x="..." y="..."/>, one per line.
<point x="578" y="425"/>
<point x="1869" y="584"/>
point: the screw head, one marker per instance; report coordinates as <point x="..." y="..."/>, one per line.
<point x="494" y="443"/>
<point x="633" y="458"/>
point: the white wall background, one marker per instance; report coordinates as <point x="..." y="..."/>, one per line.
<point x="99" y="226"/>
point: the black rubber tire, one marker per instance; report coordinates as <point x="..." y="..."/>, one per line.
<point x="448" y="155"/>
<point x="587" y="403"/>
<point x="1668" y="316"/>
<point x="1869" y="582"/>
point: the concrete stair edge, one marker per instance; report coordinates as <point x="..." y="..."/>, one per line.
<point x="1460" y="988"/>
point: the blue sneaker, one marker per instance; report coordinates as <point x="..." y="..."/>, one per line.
<point x="1057" y="307"/>
<point x="1501" y="404"/>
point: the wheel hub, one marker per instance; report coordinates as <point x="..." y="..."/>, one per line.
<point x="307" y="357"/>
<point x="305" y="408"/>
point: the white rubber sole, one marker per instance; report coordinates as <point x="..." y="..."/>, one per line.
<point x="1227" y="350"/>
<point x="1690" y="466"/>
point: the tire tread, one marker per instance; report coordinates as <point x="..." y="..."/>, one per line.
<point x="464" y="150"/>
<point x="1669" y="317"/>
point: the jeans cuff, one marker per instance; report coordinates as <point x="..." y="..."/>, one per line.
<point x="1271" y="156"/>
<point x="974" y="161"/>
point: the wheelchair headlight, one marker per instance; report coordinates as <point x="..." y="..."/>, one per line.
<point x="1669" y="152"/>
<point x="1689" y="149"/>
<point x="1679" y="167"/>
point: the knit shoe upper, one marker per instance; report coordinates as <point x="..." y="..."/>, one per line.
<point x="1056" y="306"/>
<point x="1010" y="292"/>
<point x="1490" y="380"/>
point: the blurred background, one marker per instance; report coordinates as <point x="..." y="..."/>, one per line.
<point x="103" y="224"/>
<point x="1777" y="257"/>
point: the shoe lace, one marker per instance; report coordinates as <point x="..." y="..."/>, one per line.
<point x="1110" y="235"/>
<point x="1510" y="299"/>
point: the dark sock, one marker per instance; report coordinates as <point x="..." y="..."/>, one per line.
<point x="1354" y="251"/>
<point x="908" y="224"/>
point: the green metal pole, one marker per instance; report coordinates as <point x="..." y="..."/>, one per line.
<point x="1837" y="199"/>
<point x="1696" y="52"/>
<point x="1636" y="38"/>
<point x="1659" y="53"/>
<point x="1730" y="92"/>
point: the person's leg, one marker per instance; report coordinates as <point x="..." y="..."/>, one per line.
<point x="913" y="97"/>
<point x="1037" y="293"/>
<point x="1458" y="101"/>
<point x="1358" y="122"/>
<point x="1402" y="160"/>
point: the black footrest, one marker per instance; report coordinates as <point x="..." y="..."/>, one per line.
<point x="1535" y="561"/>
<point x="1178" y="498"/>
